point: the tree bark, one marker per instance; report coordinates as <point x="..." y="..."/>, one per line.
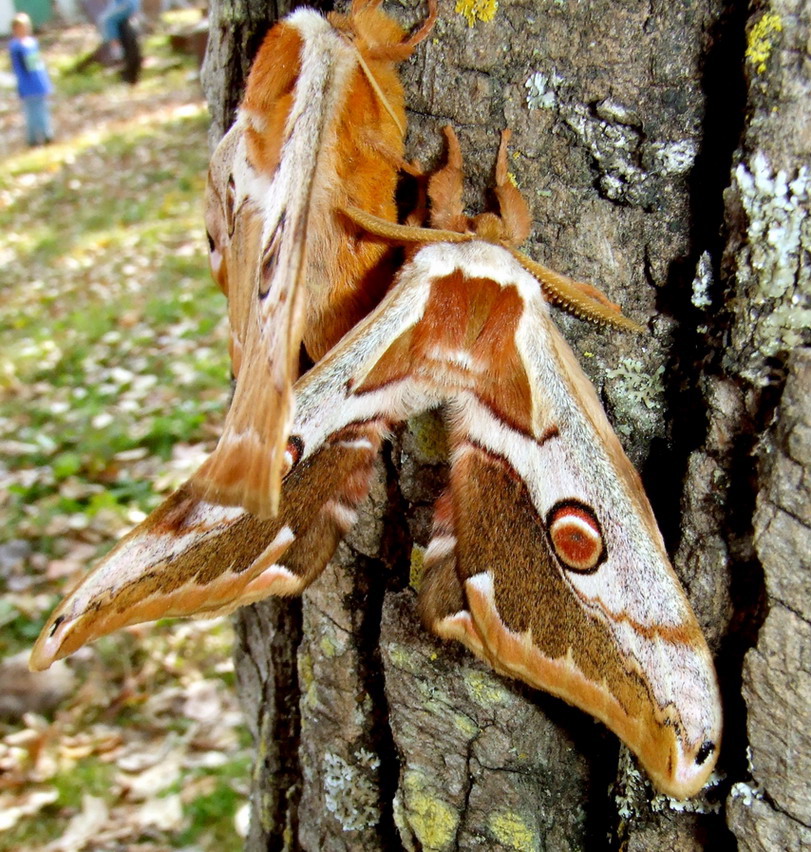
<point x="661" y="148"/>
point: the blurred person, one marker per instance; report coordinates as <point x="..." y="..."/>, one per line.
<point x="33" y="84"/>
<point x="118" y="32"/>
<point x="114" y="15"/>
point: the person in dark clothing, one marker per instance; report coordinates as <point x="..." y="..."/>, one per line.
<point x="118" y="32"/>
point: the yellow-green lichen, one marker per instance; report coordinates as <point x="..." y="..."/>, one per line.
<point x="511" y="830"/>
<point x="477" y="10"/>
<point x="465" y="725"/>
<point x="430" y="438"/>
<point x="760" y="41"/>
<point x="403" y="657"/>
<point x="433" y="821"/>
<point x="484" y="690"/>
<point x="417" y="567"/>
<point x="328" y="646"/>
<point x="306" y="679"/>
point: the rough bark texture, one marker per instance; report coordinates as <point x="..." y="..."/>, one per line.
<point x="661" y="148"/>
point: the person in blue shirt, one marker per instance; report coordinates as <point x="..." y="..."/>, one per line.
<point x="33" y="84"/>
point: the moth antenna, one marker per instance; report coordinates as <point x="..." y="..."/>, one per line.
<point x="401" y="51"/>
<point x="402" y="233"/>
<point x="379" y="92"/>
<point x="511" y="204"/>
<point x="446" y="187"/>
<point x="427" y="25"/>
<point x="576" y="297"/>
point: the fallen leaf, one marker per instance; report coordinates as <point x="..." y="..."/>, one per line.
<point x="14" y="808"/>
<point x="83" y="827"/>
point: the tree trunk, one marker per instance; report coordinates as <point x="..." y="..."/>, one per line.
<point x="661" y="149"/>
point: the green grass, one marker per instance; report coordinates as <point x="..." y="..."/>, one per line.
<point x="211" y="816"/>
<point x="113" y="364"/>
<point x="84" y="373"/>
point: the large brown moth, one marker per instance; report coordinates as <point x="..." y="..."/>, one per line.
<point x="545" y="559"/>
<point x="320" y="128"/>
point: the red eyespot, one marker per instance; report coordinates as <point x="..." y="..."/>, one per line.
<point x="575" y="535"/>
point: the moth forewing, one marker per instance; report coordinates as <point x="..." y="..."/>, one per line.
<point x="195" y="558"/>
<point x="192" y="557"/>
<point x="320" y="128"/>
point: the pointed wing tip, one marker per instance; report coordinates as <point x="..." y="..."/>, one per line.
<point x="684" y="783"/>
<point x="677" y="768"/>
<point x="48" y="648"/>
<point x="691" y="771"/>
<point x="39" y="661"/>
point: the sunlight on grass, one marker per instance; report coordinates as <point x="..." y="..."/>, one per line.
<point x="114" y="378"/>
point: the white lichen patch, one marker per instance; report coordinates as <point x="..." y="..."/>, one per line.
<point x="615" y="112"/>
<point x="774" y="269"/>
<point x="633" y="169"/>
<point x="350" y="791"/>
<point x="702" y="283"/>
<point x="673" y="158"/>
<point x="541" y="91"/>
<point x="748" y="793"/>
<point x="633" y="787"/>
<point x="614" y="148"/>
<point x="639" y="386"/>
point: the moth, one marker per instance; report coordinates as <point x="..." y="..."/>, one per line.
<point x="545" y="558"/>
<point x="320" y="129"/>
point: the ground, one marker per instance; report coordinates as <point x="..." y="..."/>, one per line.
<point x="113" y="385"/>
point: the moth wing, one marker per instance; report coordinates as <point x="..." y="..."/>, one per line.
<point x="194" y="557"/>
<point x="549" y="543"/>
<point x="275" y="152"/>
<point x="266" y="311"/>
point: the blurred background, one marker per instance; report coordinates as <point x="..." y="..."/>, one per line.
<point x="114" y="378"/>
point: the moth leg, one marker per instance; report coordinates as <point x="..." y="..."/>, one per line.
<point x="401" y="51"/>
<point x="514" y="210"/>
<point x="445" y="189"/>
<point x="427" y="25"/>
<point x="363" y="5"/>
<point x="419" y="214"/>
<point x="372" y="141"/>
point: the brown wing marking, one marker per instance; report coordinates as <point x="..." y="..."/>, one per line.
<point x="442" y="604"/>
<point x="533" y="627"/>
<point x="245" y="467"/>
<point x="224" y="558"/>
<point x="464" y="340"/>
